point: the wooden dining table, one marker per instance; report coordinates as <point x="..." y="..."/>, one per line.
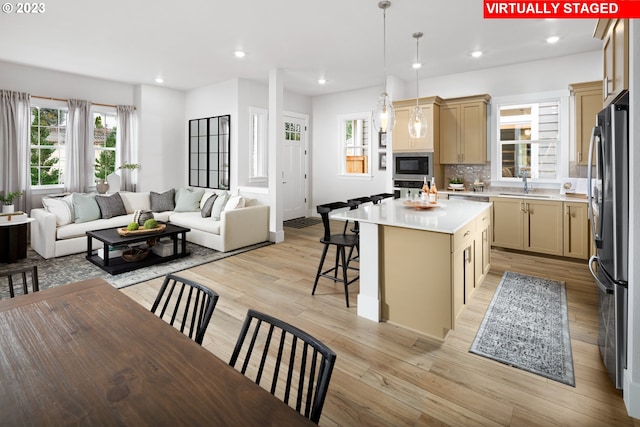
<point x="87" y="354"/>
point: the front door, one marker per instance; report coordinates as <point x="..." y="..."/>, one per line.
<point x="293" y="174"/>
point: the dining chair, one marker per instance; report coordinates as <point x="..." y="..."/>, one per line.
<point x="186" y="302"/>
<point x="281" y="355"/>
<point x="341" y="242"/>
<point x="21" y="275"/>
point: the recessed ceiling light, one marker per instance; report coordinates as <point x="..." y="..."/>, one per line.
<point x="239" y="54"/>
<point x="476" y="54"/>
<point x="159" y="80"/>
<point x="322" y="81"/>
<point x="416" y="65"/>
<point x="553" y="39"/>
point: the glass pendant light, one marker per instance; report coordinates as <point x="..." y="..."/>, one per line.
<point x="384" y="115"/>
<point x="417" y="120"/>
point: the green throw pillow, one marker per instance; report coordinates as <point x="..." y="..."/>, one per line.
<point x="218" y="206"/>
<point x="188" y="199"/>
<point x="85" y="207"/>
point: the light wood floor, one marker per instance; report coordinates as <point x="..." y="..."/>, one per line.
<point x="388" y="376"/>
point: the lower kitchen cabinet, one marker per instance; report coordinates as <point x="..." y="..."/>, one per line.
<point x="576" y="230"/>
<point x="530" y="225"/>
<point x="540" y="226"/>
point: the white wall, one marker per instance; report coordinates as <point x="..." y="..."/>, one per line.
<point x="632" y="375"/>
<point x="55" y="84"/>
<point x="162" y="136"/>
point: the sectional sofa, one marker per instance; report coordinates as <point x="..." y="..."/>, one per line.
<point x="217" y="219"/>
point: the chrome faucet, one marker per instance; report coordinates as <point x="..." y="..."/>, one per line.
<point x="524" y="181"/>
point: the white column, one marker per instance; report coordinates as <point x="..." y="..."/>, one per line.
<point x="276" y="101"/>
<point x="369" y="296"/>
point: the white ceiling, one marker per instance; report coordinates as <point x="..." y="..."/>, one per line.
<point x="191" y="43"/>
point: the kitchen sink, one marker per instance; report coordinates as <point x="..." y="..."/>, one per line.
<point x="538" y="196"/>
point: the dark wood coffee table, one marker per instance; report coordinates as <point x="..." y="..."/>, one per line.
<point x="110" y="237"/>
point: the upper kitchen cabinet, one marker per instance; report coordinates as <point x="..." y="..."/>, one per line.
<point x="463" y="130"/>
<point x="431" y="109"/>
<point x="615" y="36"/>
<point x="587" y="99"/>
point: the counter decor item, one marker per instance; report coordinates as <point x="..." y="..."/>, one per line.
<point x="421" y="204"/>
<point x="456" y="184"/>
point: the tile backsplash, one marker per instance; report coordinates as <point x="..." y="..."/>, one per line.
<point x="469" y="173"/>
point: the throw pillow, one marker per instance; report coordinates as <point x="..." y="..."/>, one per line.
<point x="234" y="202"/>
<point x="162" y="202"/>
<point x="111" y="206"/>
<point x="218" y="206"/>
<point x="188" y="199"/>
<point x="135" y="201"/>
<point x="61" y="207"/>
<point x="85" y="207"/>
<point x="205" y="197"/>
<point x="208" y="206"/>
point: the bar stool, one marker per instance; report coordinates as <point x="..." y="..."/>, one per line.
<point x="356" y="202"/>
<point x="377" y="198"/>
<point x="341" y="242"/>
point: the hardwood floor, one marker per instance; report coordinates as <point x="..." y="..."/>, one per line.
<point x="389" y="376"/>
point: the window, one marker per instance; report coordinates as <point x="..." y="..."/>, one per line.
<point x="209" y="155"/>
<point x="48" y="131"/>
<point x="355" y="152"/>
<point x="104" y="143"/>
<point x="258" y="129"/>
<point x="529" y="140"/>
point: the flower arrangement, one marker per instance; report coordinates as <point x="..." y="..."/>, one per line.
<point x="456" y="180"/>
<point x="7" y="199"/>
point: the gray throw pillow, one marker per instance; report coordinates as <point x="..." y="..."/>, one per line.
<point x="218" y="206"/>
<point x="111" y="206"/>
<point x="85" y="208"/>
<point x="162" y="202"/>
<point x="208" y="205"/>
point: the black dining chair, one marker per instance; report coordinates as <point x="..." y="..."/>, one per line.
<point x="186" y="302"/>
<point x="288" y="362"/>
<point x="21" y="276"/>
<point x="341" y="242"/>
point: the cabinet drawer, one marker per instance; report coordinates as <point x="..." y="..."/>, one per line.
<point x="483" y="221"/>
<point x="464" y="236"/>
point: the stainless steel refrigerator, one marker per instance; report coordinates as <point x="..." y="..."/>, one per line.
<point x="609" y="216"/>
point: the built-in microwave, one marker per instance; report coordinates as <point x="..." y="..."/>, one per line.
<point x="413" y="166"/>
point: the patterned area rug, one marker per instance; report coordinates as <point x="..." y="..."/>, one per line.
<point x="72" y="268"/>
<point x="301" y="222"/>
<point x="527" y="326"/>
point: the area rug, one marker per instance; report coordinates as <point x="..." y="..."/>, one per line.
<point x="527" y="326"/>
<point x="72" y="268"/>
<point x="301" y="222"/>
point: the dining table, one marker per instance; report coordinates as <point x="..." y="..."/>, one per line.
<point x="86" y="354"/>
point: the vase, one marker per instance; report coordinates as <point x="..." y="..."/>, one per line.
<point x="7" y="208"/>
<point x="102" y="186"/>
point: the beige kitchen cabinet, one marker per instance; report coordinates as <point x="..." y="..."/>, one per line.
<point x="615" y="61"/>
<point x="528" y="224"/>
<point x="576" y="230"/>
<point x="400" y="135"/>
<point x="482" y="247"/>
<point x="587" y="99"/>
<point x="463" y="130"/>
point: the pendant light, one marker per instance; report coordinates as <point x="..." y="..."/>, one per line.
<point x="417" y="120"/>
<point x="384" y="115"/>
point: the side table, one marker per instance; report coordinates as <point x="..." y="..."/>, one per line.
<point x="13" y="240"/>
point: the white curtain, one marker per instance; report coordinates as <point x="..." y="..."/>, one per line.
<point x="78" y="165"/>
<point x="15" y="118"/>
<point x="126" y="141"/>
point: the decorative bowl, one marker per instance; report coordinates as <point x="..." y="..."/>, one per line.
<point x="135" y="254"/>
<point x="456" y="186"/>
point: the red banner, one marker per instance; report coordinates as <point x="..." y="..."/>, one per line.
<point x="561" y="9"/>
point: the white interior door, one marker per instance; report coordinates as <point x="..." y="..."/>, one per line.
<point x="293" y="173"/>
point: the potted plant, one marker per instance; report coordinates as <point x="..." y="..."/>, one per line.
<point x="7" y="200"/>
<point x="456" y="183"/>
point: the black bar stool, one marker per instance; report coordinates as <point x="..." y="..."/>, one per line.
<point x="377" y="198"/>
<point x="341" y="242"/>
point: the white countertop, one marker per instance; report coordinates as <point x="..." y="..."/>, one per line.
<point x="448" y="218"/>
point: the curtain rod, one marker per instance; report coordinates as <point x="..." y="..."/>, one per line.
<point x="66" y="100"/>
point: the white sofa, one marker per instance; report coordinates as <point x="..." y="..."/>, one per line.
<point x="236" y="228"/>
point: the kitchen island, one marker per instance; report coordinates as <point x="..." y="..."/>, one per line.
<point x="419" y="267"/>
